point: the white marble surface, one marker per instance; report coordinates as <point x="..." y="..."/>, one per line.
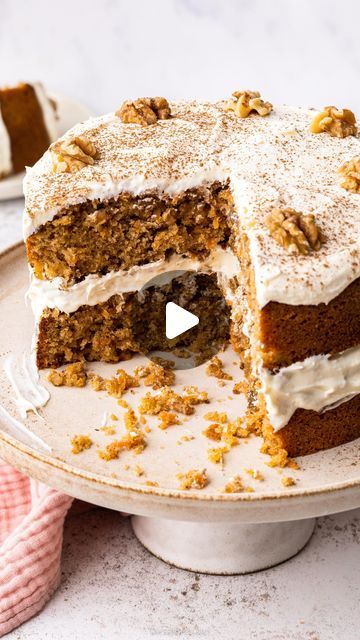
<point x="113" y="589"/>
<point x="296" y="51"/>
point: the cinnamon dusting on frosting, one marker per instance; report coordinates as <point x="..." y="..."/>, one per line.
<point x="266" y="169"/>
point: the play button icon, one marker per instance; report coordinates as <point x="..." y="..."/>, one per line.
<point x="178" y="320"/>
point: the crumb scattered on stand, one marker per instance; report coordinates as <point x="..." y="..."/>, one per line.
<point x="216" y="454"/>
<point x="241" y="387"/>
<point x="73" y="376"/>
<point x="155" y="375"/>
<point x="134" y="439"/>
<point x="255" y="474"/>
<point x="235" y="485"/>
<point x="167" y="419"/>
<point x="80" y="443"/>
<point x="193" y="479"/>
<point x="139" y="471"/>
<point x="287" y="481"/>
<point x="109" y="431"/>
<point x="114" y="386"/>
<point x="167" y="400"/>
<point x="215" y="368"/>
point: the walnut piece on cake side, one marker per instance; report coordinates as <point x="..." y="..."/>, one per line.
<point x="296" y="232"/>
<point x="242" y="103"/>
<point x="339" y="123"/>
<point x="144" y="111"/>
<point x="351" y="174"/>
<point x="69" y="156"/>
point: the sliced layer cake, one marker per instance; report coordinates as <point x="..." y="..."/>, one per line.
<point x="265" y="198"/>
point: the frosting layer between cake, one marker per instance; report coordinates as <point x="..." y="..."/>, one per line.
<point x="319" y="383"/>
<point x="95" y="289"/>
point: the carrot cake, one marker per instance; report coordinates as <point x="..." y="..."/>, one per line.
<point x="260" y="203"/>
<point x="27" y="126"/>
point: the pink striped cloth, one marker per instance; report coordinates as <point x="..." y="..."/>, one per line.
<point x="31" y="531"/>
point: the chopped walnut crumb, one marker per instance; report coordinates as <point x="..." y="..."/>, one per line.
<point x="167" y="399"/>
<point x="123" y="403"/>
<point x="245" y="102"/>
<point x="255" y="474"/>
<point x="351" y="173"/>
<point x="186" y="438"/>
<point x="216" y="454"/>
<point x="80" y="443"/>
<point x="115" y="386"/>
<point x="339" y="123"/>
<point x="216" y="416"/>
<point x="73" y="376"/>
<point x="278" y="459"/>
<point x="109" y="431"/>
<point x="287" y="481"/>
<point x="139" y="471"/>
<point x="69" y="156"/>
<point x="213" y="431"/>
<point x="151" y="483"/>
<point x="144" y="111"/>
<point x="228" y="432"/>
<point x="235" y="485"/>
<point x="241" y="387"/>
<point x="193" y="479"/>
<point x="167" y="419"/>
<point x="134" y="440"/>
<point x="297" y="232"/>
<point x="215" y="369"/>
<point x="155" y="375"/>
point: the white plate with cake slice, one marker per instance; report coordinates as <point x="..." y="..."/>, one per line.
<point x="69" y="112"/>
<point x="203" y="529"/>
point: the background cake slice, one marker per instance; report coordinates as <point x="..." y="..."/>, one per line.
<point x="27" y="126"/>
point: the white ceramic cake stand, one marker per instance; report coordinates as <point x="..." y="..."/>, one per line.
<point x="201" y="530"/>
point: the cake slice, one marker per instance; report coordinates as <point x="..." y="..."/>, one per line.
<point x="246" y="196"/>
<point x="27" y="126"/>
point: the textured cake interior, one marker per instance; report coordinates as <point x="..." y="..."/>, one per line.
<point x="100" y="236"/>
<point x="135" y="323"/>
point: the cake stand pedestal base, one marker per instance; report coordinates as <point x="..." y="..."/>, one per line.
<point x="222" y="548"/>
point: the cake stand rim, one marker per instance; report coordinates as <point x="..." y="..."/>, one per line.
<point x="15" y="452"/>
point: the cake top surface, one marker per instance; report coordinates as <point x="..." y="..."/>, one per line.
<point x="270" y="162"/>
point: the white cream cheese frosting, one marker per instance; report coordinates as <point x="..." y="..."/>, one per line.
<point x="269" y="162"/>
<point x="5" y="150"/>
<point x="49" y="114"/>
<point x="95" y="289"/>
<point x="23" y="375"/>
<point x="319" y="383"/>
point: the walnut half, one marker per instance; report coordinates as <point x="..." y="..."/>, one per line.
<point x="339" y="123"/>
<point x="351" y="172"/>
<point x="72" y="155"/>
<point x="144" y="111"/>
<point x="242" y="103"/>
<point x="296" y="232"/>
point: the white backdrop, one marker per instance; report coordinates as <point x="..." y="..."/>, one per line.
<point x="102" y="51"/>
